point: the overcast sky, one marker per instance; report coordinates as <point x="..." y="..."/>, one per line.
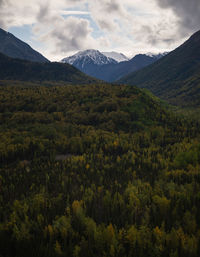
<point x="59" y="28"/>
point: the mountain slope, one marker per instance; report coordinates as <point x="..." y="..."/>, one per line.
<point x="16" y="69"/>
<point x="14" y="47"/>
<point x="175" y="77"/>
<point x="94" y="63"/>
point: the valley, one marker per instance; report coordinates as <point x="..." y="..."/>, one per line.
<point x="91" y="168"/>
<point x="129" y="185"/>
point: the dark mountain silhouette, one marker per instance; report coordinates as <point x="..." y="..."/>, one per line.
<point x="14" y="47"/>
<point x="114" y="72"/>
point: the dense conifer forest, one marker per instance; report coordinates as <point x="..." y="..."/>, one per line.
<point x="96" y="170"/>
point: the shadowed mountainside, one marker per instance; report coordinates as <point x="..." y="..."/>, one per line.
<point x="175" y="77"/>
<point x="16" y="48"/>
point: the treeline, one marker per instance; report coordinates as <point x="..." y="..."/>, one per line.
<point x="99" y="170"/>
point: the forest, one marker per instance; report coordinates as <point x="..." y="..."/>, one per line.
<point x="96" y="170"/>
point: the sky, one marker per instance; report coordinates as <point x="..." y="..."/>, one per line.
<point x="60" y="28"/>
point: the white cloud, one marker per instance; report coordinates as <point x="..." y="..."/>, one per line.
<point x="64" y="35"/>
<point x="12" y="14"/>
<point x="67" y="12"/>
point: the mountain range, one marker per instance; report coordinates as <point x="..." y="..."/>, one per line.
<point x="175" y="77"/>
<point x="102" y="66"/>
<point x="14" y="47"/>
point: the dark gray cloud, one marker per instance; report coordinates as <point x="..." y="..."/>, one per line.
<point x="188" y="12"/>
<point x="71" y="35"/>
<point x="43" y="13"/>
<point x="154" y="36"/>
<point x="108" y="13"/>
<point x="105" y="25"/>
<point x="113" y="6"/>
<point x="2" y="13"/>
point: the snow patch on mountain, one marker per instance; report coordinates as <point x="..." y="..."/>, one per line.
<point x="119" y="57"/>
<point x="157" y="55"/>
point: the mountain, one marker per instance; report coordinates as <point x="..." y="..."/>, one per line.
<point x="119" y="57"/>
<point x="96" y="64"/>
<point x="14" y="47"/>
<point x="175" y="77"/>
<point x="85" y="59"/>
<point x="17" y="69"/>
<point x="112" y="73"/>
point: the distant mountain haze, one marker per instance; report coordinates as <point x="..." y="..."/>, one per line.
<point x="101" y="66"/>
<point x="175" y="77"/>
<point x="14" y="47"/>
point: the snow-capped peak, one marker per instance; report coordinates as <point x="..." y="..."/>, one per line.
<point x="87" y="57"/>
<point x="119" y="57"/>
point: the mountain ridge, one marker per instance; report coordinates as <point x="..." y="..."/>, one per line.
<point x="175" y="77"/>
<point x="88" y="56"/>
<point x="16" y="48"/>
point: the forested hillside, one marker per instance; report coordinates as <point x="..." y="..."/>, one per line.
<point x="16" y="69"/>
<point x="97" y="170"/>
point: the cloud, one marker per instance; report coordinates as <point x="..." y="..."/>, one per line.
<point x="107" y="13"/>
<point x="18" y="13"/>
<point x="188" y="12"/>
<point x="63" y="35"/>
<point x="66" y="34"/>
<point x="157" y="32"/>
<point x="1" y="7"/>
<point x="72" y="34"/>
<point x="2" y="2"/>
<point x="64" y="12"/>
<point x="66" y="26"/>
